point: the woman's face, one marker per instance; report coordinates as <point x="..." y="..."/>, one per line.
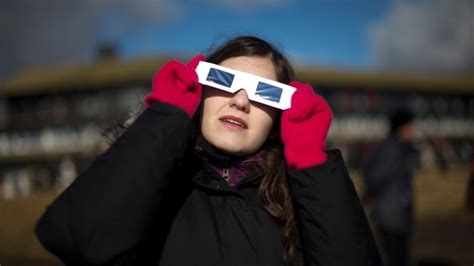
<point x="231" y="122"/>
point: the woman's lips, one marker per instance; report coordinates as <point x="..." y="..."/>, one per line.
<point x="234" y="122"/>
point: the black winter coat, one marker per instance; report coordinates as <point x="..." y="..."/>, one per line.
<point x="143" y="203"/>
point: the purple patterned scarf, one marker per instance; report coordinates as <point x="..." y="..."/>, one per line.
<point x="232" y="169"/>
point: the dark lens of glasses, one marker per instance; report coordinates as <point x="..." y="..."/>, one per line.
<point x="220" y="77"/>
<point x="269" y="92"/>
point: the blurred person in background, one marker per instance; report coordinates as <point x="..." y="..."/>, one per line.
<point x="251" y="185"/>
<point x="388" y="175"/>
<point x="470" y="186"/>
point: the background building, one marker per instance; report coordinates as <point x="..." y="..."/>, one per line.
<point x="53" y="119"/>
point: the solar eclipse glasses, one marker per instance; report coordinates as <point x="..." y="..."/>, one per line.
<point x="262" y="90"/>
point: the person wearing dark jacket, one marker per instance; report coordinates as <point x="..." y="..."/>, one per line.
<point x="388" y="175"/>
<point x="250" y="185"/>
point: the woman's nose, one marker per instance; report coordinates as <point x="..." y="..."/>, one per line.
<point x="240" y="100"/>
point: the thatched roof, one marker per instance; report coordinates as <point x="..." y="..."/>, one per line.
<point x="139" y="72"/>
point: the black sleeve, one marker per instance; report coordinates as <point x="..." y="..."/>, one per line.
<point x="332" y="224"/>
<point x="113" y="206"/>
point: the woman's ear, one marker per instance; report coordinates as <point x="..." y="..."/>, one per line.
<point x="275" y="132"/>
<point x="198" y="115"/>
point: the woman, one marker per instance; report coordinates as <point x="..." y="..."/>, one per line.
<point x="165" y="193"/>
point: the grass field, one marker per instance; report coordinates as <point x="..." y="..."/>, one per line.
<point x="444" y="229"/>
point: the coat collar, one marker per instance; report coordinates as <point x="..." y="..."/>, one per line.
<point x="208" y="178"/>
<point x="214" y="161"/>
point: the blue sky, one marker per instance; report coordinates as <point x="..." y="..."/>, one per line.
<point x="311" y="32"/>
<point x="401" y="35"/>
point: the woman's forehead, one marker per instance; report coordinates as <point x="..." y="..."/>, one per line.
<point x="260" y="66"/>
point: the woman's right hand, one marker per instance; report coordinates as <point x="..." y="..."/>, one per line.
<point x="177" y="84"/>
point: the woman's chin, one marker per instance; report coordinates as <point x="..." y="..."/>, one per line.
<point x="231" y="149"/>
<point x="235" y="148"/>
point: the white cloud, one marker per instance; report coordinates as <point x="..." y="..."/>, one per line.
<point x="436" y="35"/>
<point x="56" y="31"/>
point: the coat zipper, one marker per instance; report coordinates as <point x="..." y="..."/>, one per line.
<point x="225" y="173"/>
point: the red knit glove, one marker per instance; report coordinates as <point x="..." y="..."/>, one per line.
<point x="177" y="84"/>
<point x="304" y="127"/>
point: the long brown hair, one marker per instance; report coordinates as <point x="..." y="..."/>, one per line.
<point x="273" y="192"/>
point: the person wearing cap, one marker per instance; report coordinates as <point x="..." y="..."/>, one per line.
<point x="388" y="174"/>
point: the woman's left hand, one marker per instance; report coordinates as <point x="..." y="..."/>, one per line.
<point x="304" y="128"/>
